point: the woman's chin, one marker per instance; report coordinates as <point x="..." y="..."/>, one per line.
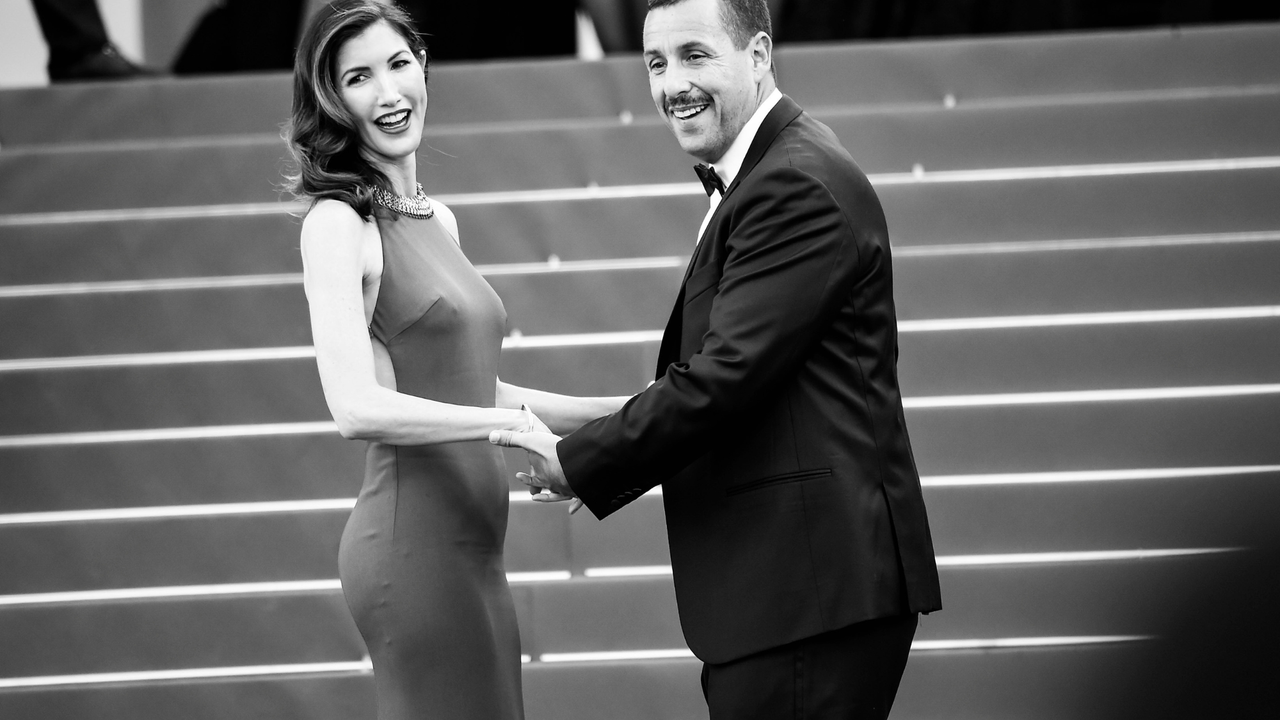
<point x="387" y="150"/>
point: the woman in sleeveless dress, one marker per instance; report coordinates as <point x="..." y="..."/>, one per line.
<point x="407" y="337"/>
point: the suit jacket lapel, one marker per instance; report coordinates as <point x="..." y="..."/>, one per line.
<point x="778" y="118"/>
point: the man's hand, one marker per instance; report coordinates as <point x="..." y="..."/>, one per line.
<point x="545" y="477"/>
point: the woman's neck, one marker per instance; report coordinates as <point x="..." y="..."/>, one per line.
<point x="402" y="174"/>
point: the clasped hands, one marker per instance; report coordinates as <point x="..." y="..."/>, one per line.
<point x="545" y="478"/>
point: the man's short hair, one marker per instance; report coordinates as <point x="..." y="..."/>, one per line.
<point x="742" y="18"/>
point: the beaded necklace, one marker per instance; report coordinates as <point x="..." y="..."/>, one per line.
<point x="418" y="206"/>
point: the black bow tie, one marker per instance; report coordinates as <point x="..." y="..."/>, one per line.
<point x="710" y="180"/>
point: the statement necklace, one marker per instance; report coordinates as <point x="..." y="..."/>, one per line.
<point x="418" y="206"/>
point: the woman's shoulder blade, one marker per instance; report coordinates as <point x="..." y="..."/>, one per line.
<point x="333" y="220"/>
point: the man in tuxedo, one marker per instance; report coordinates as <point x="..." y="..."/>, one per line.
<point x="800" y="548"/>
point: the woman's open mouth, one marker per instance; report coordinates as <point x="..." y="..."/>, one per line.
<point x="397" y="120"/>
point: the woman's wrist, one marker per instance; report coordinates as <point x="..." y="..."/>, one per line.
<point x="518" y="419"/>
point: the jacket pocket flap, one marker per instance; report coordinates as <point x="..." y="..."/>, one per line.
<point x="782" y="479"/>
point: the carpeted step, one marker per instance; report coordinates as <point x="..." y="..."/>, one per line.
<point x="1201" y="432"/>
<point x="218" y="393"/>
<point x="918" y="214"/>
<point x="1196" y="432"/>
<point x="926" y="287"/>
<point x="204" y="319"/>
<point x="1191" y="276"/>
<point x="994" y="67"/>
<point x="864" y="73"/>
<point x="180" y="472"/>
<point x="242" y="171"/>
<point x="581" y="615"/>
<point x="1044" y="517"/>
<point x="1002" y="683"/>
<point x="1172" y="354"/>
<point x="127" y="636"/>
<point x="249" y="548"/>
<point x="1097" y="357"/>
<point x="334" y="696"/>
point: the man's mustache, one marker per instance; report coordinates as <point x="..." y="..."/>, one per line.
<point x="684" y="100"/>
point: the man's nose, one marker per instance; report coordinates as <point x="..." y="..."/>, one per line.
<point x="675" y="81"/>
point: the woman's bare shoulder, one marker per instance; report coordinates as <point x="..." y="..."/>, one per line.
<point x="447" y="218"/>
<point x="332" y="222"/>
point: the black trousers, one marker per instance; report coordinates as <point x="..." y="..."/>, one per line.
<point x="847" y="674"/>
<point x="73" y="30"/>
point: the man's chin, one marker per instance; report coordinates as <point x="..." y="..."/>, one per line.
<point x="699" y="146"/>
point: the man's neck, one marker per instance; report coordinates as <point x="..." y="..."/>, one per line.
<point x="730" y="163"/>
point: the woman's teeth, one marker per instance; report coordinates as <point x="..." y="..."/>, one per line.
<point x="393" y="120"/>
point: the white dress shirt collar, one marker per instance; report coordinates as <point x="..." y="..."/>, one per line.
<point x="729" y="164"/>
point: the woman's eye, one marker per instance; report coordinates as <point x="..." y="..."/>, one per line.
<point x="355" y="79"/>
<point x="399" y="64"/>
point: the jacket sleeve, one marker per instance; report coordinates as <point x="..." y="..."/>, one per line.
<point x="788" y="263"/>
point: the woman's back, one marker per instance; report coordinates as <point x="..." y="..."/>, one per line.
<point x="421" y="557"/>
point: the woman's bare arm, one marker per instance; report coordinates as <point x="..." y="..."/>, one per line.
<point x="337" y="248"/>
<point x="562" y="413"/>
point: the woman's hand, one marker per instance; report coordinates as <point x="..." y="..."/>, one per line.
<point x="542" y="494"/>
<point x="535" y="425"/>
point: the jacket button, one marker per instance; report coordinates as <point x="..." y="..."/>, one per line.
<point x="617" y="502"/>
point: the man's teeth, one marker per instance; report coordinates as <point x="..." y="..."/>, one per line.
<point x="688" y="112"/>
<point x="393" y="119"/>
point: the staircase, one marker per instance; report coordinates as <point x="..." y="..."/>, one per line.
<point x="1087" y="241"/>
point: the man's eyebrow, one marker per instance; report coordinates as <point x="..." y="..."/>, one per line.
<point x="694" y="45"/>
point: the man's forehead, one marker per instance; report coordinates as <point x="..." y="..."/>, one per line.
<point x="684" y="23"/>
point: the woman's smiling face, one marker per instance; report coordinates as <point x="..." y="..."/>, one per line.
<point x="383" y="87"/>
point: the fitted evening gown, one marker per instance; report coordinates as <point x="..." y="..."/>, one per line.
<point x="421" y="556"/>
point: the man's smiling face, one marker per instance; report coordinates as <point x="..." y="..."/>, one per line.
<point x="704" y="86"/>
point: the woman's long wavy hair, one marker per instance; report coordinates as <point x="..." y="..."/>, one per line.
<point x="321" y="133"/>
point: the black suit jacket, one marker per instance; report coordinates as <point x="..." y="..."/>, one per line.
<point x="775" y="425"/>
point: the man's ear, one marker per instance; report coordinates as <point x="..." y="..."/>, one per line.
<point x="761" y="49"/>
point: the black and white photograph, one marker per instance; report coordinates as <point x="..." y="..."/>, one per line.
<point x="639" y="360"/>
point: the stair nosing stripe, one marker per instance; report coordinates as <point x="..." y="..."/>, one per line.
<point x="290" y="587"/>
<point x="918" y="175"/>
<point x="365" y="667"/>
<point x="935" y="402"/>
<point x="1109" y="243"/>
<point x="168" y="512"/>
<point x="556" y="265"/>
<point x="1055" y="397"/>
<point x="626" y="118"/>
<point x="221" y="282"/>
<point x="517" y="342"/>
<point x="361" y="667"/>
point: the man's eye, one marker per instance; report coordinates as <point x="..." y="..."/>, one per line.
<point x="656" y="66"/>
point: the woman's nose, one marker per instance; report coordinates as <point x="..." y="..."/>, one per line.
<point x="388" y="91"/>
